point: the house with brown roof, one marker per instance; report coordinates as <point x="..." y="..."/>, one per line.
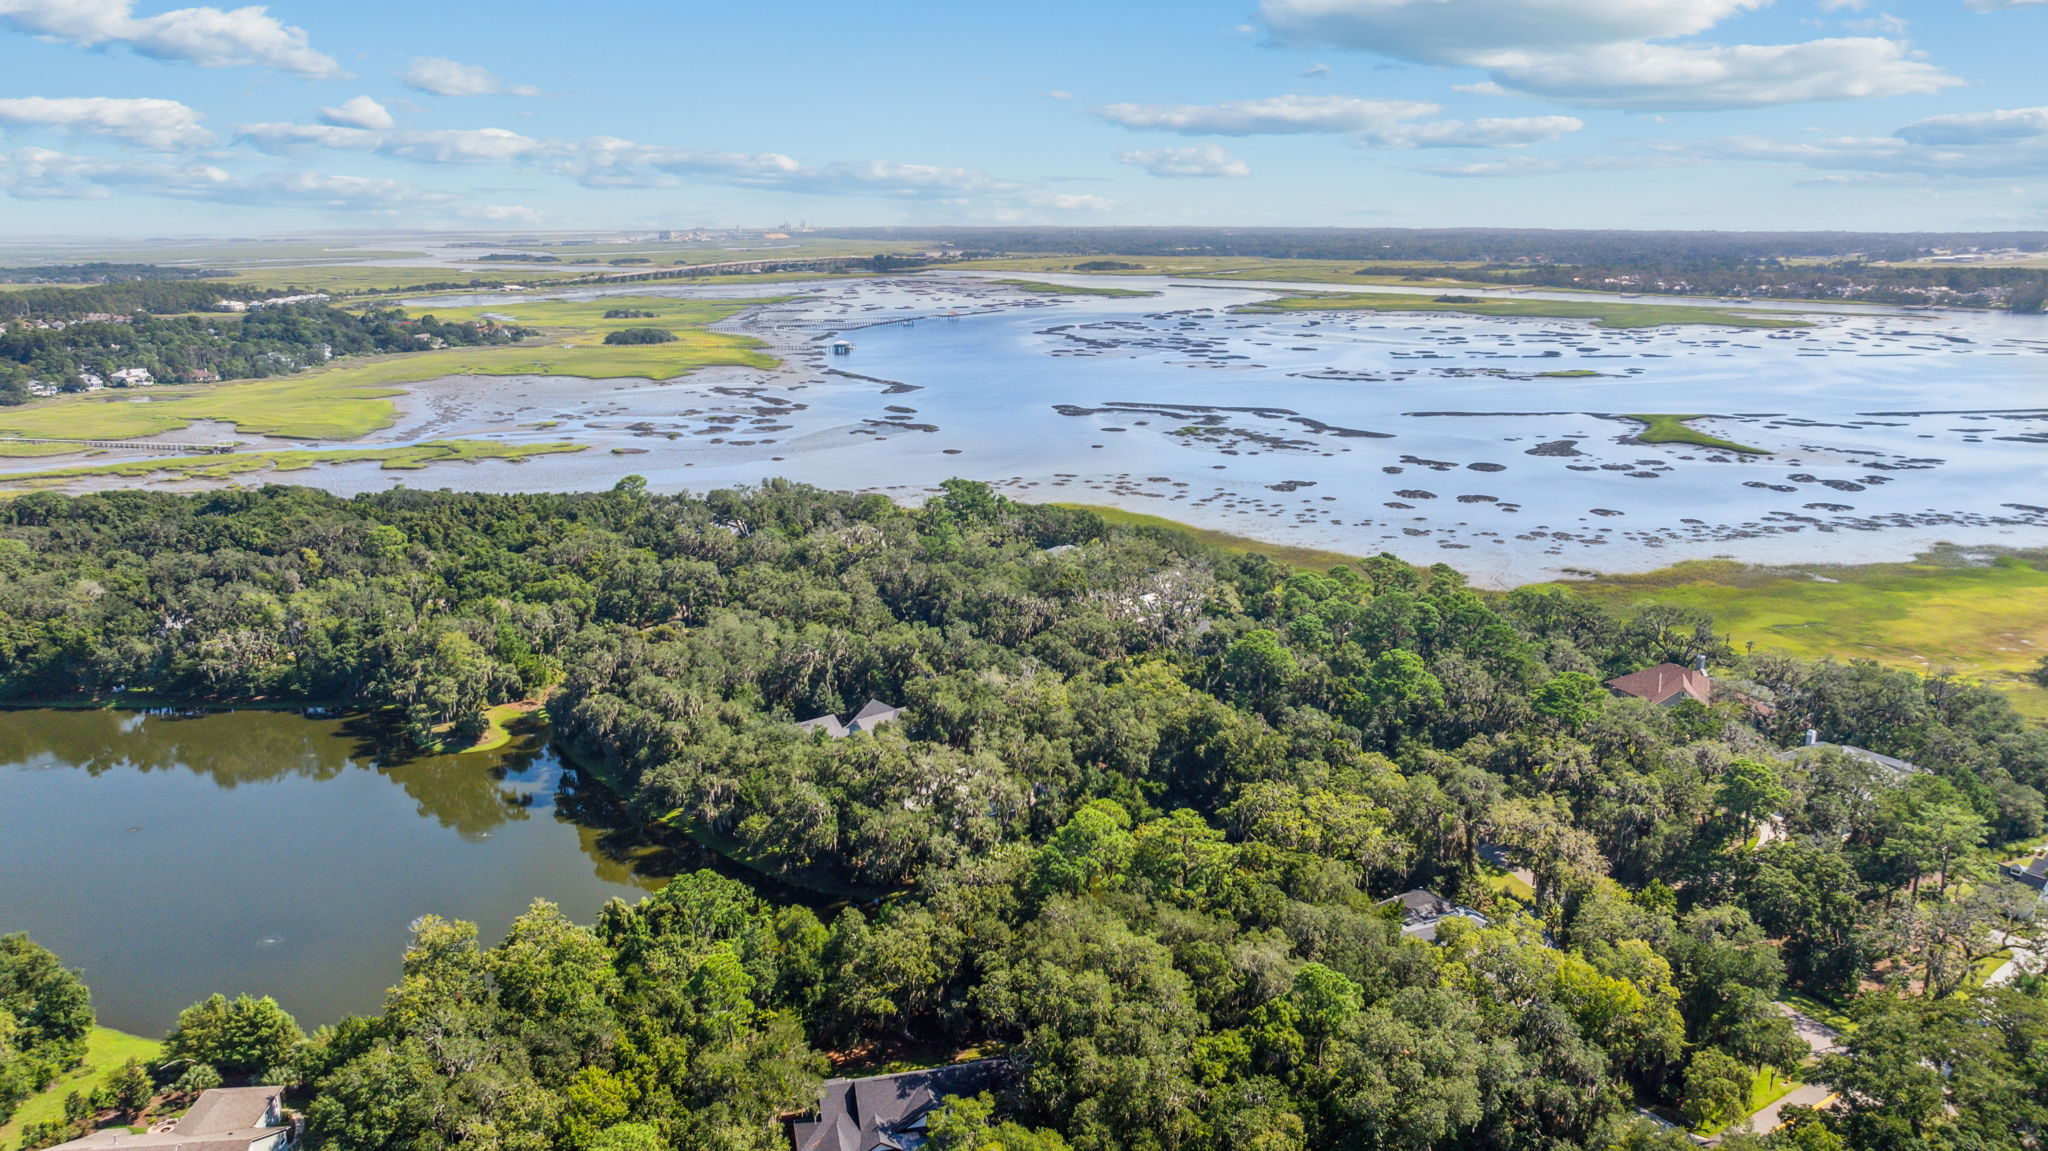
<point x="1665" y="684"/>
<point x="223" y="1119"/>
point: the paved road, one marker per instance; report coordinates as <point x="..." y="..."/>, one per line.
<point x="1821" y="1040"/>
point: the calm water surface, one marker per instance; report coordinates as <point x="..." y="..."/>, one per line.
<point x="170" y="857"/>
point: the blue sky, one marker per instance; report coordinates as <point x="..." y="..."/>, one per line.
<point x="130" y="117"/>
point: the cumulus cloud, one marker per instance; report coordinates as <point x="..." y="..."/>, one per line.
<point x="441" y="76"/>
<point x="1383" y="123"/>
<point x="209" y="37"/>
<point x="161" y="125"/>
<point x="1661" y="76"/>
<point x="1607" y="53"/>
<point x="1202" y="160"/>
<point x="1968" y="128"/>
<point x="358" y="112"/>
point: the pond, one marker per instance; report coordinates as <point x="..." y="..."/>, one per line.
<point x="171" y="856"/>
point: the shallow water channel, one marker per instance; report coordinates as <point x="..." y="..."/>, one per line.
<point x="172" y="856"/>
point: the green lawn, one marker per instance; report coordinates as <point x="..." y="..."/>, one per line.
<point x="1043" y="288"/>
<point x="1673" y="429"/>
<point x="1985" y="621"/>
<point x="411" y="457"/>
<point x="1765" y="1088"/>
<point x="106" y="1050"/>
<point x="1602" y="313"/>
<point x="499" y="722"/>
<point x="352" y="398"/>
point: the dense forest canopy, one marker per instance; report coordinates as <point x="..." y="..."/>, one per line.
<point x="264" y="341"/>
<point x="1133" y="830"/>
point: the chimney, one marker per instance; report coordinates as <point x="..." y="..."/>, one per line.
<point x="1812" y="737"/>
<point x="1699" y="664"/>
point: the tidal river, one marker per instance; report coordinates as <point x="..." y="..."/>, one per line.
<point x="170" y="856"/>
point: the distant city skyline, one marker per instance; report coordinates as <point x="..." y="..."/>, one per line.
<point x="136" y="117"/>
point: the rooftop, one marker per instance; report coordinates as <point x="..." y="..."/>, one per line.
<point x="1665" y="683"/>
<point x="887" y="1112"/>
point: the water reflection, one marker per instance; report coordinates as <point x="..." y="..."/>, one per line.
<point x="172" y="855"/>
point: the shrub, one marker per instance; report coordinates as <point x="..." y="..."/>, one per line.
<point x="640" y="336"/>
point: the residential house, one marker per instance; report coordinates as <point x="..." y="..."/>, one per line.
<point x="1422" y="911"/>
<point x="868" y="718"/>
<point x="223" y="1119"/>
<point x="1898" y="768"/>
<point x="2032" y="872"/>
<point x="132" y="378"/>
<point x="1665" y="684"/>
<point x="888" y="1112"/>
<point x="1668" y="683"/>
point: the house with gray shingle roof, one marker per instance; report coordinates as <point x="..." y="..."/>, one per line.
<point x="868" y="718"/>
<point x="223" y="1119"/>
<point x="888" y="1112"/>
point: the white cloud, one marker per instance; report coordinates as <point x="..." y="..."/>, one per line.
<point x="1071" y="202"/>
<point x="429" y="146"/>
<point x="1273" y="116"/>
<point x="503" y="213"/>
<point x="1059" y="94"/>
<point x="1486" y="132"/>
<point x="1455" y="31"/>
<point x="1384" y="123"/>
<point x="2001" y="5"/>
<point x="609" y="162"/>
<point x="1882" y="24"/>
<point x="42" y="174"/>
<point x="1314" y="72"/>
<point x="1661" y="76"/>
<point x="208" y="37"/>
<point x="444" y="77"/>
<point x="886" y="178"/>
<point x="162" y="125"/>
<point x="358" y="112"/>
<point x="1978" y="127"/>
<point x="1606" y="53"/>
<point x="1202" y="160"/>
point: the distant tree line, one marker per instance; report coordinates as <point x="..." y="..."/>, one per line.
<point x="266" y="341"/>
<point x="100" y="273"/>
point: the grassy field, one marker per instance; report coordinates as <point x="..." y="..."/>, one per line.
<point x="1043" y="288"/>
<point x="1307" y="558"/>
<point x="1602" y="313"/>
<point x="1672" y="429"/>
<point x="352" y="398"/>
<point x="106" y="1050"/>
<point x="411" y="457"/>
<point x="499" y="722"/>
<point x="1985" y="621"/>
